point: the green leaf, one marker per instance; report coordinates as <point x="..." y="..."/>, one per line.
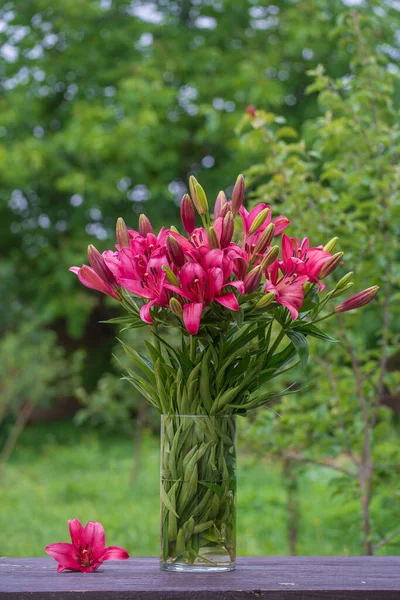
<point x="299" y="341"/>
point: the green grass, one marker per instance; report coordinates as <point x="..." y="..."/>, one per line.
<point x="59" y="472"/>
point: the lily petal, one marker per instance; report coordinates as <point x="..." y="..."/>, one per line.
<point x="64" y="554"/>
<point x="145" y="312"/>
<point x="94" y="537"/>
<point x="192" y="316"/>
<point x="75" y="530"/>
<point x="114" y="553"/>
<point x="228" y="300"/>
<point x="136" y="288"/>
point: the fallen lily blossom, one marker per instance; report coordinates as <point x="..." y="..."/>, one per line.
<point x="87" y="552"/>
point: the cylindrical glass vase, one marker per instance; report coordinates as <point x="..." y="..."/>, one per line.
<point x="198" y="492"/>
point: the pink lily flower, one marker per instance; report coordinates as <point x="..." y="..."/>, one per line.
<point x="199" y="287"/>
<point x="301" y="259"/>
<point x="288" y="289"/>
<point x="87" y="551"/>
<point x="150" y="286"/>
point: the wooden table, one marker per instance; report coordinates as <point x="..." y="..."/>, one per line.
<point x="281" y="578"/>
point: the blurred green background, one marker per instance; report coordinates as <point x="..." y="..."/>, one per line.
<point x="106" y="108"/>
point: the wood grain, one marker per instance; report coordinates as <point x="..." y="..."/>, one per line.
<point x="280" y="578"/>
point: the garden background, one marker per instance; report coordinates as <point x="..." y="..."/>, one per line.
<point x="106" y="108"/>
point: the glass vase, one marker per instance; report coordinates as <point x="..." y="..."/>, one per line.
<point x="198" y="492"/>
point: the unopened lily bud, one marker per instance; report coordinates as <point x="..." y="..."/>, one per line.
<point x="331" y="264"/>
<point x="192" y="188"/>
<point x="202" y="204"/>
<point x="227" y="230"/>
<point x="238" y="195"/>
<point x="269" y="258"/>
<point x="122" y="234"/>
<point x="265" y="239"/>
<point x="176" y="307"/>
<point x="213" y="238"/>
<point x="225" y="208"/>
<point x="259" y="220"/>
<point x="175" y="252"/>
<point x="360" y="299"/>
<point x="219" y="203"/>
<point x="340" y="291"/>
<point x="187" y="214"/>
<point x="331" y="245"/>
<point x="144" y="226"/>
<point x="170" y="276"/>
<point x="253" y="280"/>
<point x="345" y="280"/>
<point x="265" y="300"/>
<point x="99" y="266"/>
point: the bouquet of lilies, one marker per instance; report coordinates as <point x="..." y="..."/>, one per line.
<point x="244" y="307"/>
<point x="233" y="294"/>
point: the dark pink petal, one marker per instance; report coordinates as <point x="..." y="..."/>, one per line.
<point x="136" y="288"/>
<point x="75" y="530"/>
<point x="145" y="312"/>
<point x="239" y="285"/>
<point x="192" y="316"/>
<point x="114" y="553"/>
<point x="89" y="278"/>
<point x="290" y="307"/>
<point x="93" y="537"/>
<point x="280" y="224"/>
<point x="64" y="554"/>
<point x="228" y="300"/>
<point x="60" y="569"/>
<point x="177" y="290"/>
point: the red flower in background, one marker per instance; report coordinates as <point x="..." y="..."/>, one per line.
<point x="87" y="551"/>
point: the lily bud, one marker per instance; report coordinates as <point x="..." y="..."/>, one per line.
<point x="192" y="188"/>
<point x="225" y="208"/>
<point x="173" y="229"/>
<point x="253" y="280"/>
<point x="331" y="245"/>
<point x="340" y="291"/>
<point x="202" y="204"/>
<point x="144" y="226"/>
<point x="175" y="252"/>
<point x="238" y="195"/>
<point x="265" y="300"/>
<point x="227" y="229"/>
<point x="331" y="264"/>
<point x="176" y="307"/>
<point x="213" y="238"/>
<point x="99" y="266"/>
<point x="259" y="220"/>
<point x="345" y="280"/>
<point x="170" y="276"/>
<point x="219" y="203"/>
<point x="269" y="258"/>
<point x="360" y="299"/>
<point x="265" y="239"/>
<point x="241" y="265"/>
<point x="188" y="216"/>
<point x="122" y="234"/>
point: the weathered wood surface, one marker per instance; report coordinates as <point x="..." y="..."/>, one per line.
<point x="281" y="578"/>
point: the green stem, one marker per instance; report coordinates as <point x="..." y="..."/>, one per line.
<point x="276" y="343"/>
<point x="325" y="317"/>
<point x="193" y="347"/>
